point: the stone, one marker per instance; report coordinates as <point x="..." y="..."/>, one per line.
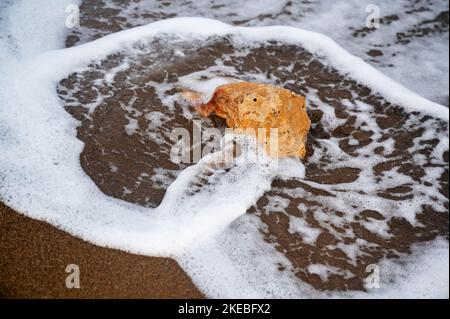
<point x="246" y="105"/>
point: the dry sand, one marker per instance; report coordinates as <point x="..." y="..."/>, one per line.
<point x="34" y="256"/>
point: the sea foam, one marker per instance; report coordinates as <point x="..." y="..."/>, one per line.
<point x="208" y="233"/>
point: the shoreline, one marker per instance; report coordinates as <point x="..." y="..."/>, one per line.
<point x="327" y="232"/>
<point x="36" y="254"/>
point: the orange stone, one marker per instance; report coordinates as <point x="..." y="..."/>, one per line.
<point x="247" y="105"/>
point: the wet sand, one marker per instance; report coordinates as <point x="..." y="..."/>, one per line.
<point x="34" y="256"/>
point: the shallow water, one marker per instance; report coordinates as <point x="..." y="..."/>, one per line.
<point x="376" y="174"/>
<point x="411" y="45"/>
<point x="375" y="189"/>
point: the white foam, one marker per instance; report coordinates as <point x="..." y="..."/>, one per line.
<point x="423" y="274"/>
<point x="299" y="225"/>
<point x="421" y="64"/>
<point x="205" y="86"/>
<point x="40" y="165"/>
<point x="247" y="267"/>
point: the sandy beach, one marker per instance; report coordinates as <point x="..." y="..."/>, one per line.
<point x="35" y="256"/>
<point x="373" y="191"/>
